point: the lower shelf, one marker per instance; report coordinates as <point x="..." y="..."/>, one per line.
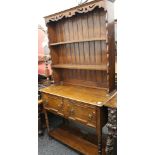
<point x="75" y="140"/>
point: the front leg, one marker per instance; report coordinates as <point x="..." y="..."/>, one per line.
<point x="40" y="129"/>
<point x="99" y="130"/>
<point x="47" y="121"/>
<point x="100" y="142"/>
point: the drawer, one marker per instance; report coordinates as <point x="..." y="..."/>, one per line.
<point x="53" y="103"/>
<point x="80" y="112"/>
<point x="44" y="97"/>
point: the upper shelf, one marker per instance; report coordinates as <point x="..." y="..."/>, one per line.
<point x="83" y="67"/>
<point x="78" y="41"/>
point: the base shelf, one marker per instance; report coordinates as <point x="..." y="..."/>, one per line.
<point x="76" y="140"/>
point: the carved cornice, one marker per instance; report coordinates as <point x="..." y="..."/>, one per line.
<point x="79" y="9"/>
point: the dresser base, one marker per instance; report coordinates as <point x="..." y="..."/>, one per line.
<point x="76" y="140"/>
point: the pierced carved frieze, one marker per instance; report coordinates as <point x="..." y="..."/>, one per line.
<point x="80" y="9"/>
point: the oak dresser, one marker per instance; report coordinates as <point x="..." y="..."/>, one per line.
<point x="82" y="45"/>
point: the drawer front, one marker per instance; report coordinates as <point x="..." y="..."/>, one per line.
<point x="53" y="103"/>
<point x="80" y="112"/>
<point x="70" y="109"/>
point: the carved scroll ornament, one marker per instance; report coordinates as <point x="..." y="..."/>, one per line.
<point x="80" y="9"/>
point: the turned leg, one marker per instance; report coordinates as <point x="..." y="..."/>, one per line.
<point x="100" y="141"/>
<point x="46" y="120"/>
<point x="40" y="129"/>
<point x="99" y="130"/>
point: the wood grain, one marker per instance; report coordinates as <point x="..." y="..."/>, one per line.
<point x="84" y="45"/>
<point x="90" y="96"/>
<point x="83" y="67"/>
<point x="75" y="139"/>
<point x="81" y="42"/>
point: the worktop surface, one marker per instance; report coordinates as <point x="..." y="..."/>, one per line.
<point x="93" y="96"/>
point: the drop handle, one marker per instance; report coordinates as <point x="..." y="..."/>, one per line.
<point x="60" y="105"/>
<point x="72" y="112"/>
<point x="90" y="116"/>
<point x="46" y="102"/>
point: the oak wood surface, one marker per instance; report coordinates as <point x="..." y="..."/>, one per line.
<point x="40" y="102"/>
<point x="85" y="83"/>
<point x="80" y="112"/>
<point x="85" y="8"/>
<point x="112" y="102"/>
<point x="82" y="48"/>
<point x="71" y="109"/>
<point x="92" y="96"/>
<point x="76" y="140"/>
<point x="83" y="67"/>
<point x="77" y="41"/>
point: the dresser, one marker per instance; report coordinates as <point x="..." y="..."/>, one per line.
<point x="82" y="48"/>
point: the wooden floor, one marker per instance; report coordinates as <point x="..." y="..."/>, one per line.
<point x="83" y="94"/>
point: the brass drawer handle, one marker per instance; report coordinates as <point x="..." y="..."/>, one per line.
<point x="60" y="106"/>
<point x="72" y="111"/>
<point x="46" y="102"/>
<point x="91" y="116"/>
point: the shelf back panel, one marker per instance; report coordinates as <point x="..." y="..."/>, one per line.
<point x="85" y="78"/>
<point x="80" y="40"/>
<point x="79" y="27"/>
<point x="86" y="53"/>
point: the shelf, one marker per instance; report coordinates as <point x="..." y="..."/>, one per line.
<point x="76" y="140"/>
<point x="83" y="67"/>
<point x="78" y="41"/>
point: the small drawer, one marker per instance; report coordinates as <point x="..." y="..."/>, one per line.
<point x="53" y="103"/>
<point x="44" y="96"/>
<point x="80" y="112"/>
